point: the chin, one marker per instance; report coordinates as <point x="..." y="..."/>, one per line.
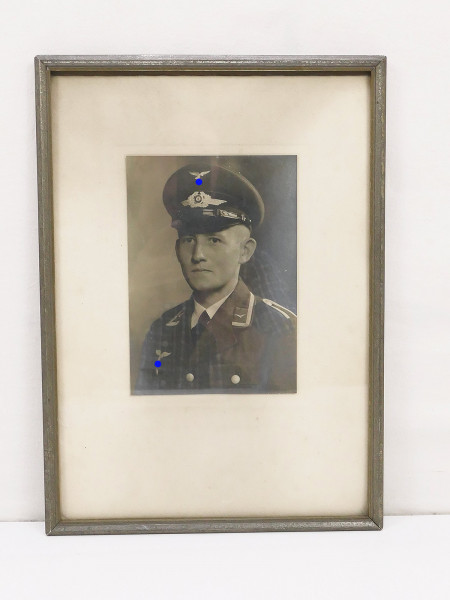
<point x="200" y="283"/>
<point x="197" y="287"/>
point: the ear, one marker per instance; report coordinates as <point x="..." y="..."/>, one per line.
<point x="177" y="249"/>
<point x="247" y="250"/>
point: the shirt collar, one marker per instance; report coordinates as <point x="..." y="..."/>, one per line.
<point x="211" y="310"/>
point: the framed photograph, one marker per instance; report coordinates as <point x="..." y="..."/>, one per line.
<point x="212" y="287"/>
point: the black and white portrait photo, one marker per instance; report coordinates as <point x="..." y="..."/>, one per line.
<point x="212" y="274"/>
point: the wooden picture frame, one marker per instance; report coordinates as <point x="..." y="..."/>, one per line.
<point x="101" y="469"/>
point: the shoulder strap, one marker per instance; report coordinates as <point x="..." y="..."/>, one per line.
<point x="288" y="314"/>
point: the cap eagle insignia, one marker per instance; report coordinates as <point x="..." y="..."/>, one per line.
<point x="199" y="175"/>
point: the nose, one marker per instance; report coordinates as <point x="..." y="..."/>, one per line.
<point x="197" y="252"/>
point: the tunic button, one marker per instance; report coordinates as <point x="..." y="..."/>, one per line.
<point x="189" y="377"/>
<point x="235" y="379"/>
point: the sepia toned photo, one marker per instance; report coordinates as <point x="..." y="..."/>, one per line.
<point x="219" y="234"/>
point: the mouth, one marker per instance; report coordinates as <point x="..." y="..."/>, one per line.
<point x="201" y="271"/>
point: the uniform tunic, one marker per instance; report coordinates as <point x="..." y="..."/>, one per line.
<point x="249" y="346"/>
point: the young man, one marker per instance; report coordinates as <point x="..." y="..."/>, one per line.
<point x="224" y="338"/>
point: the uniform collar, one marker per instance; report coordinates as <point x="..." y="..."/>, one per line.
<point x="211" y="310"/>
<point x="234" y="314"/>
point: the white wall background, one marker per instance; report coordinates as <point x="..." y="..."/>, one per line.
<point x="414" y="36"/>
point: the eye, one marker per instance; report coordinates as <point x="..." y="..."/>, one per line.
<point x="187" y="239"/>
<point x="214" y="240"/>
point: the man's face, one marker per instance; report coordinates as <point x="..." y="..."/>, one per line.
<point x="210" y="261"/>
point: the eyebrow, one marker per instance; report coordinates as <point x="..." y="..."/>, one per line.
<point x="213" y="234"/>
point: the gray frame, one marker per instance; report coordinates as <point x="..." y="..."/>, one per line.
<point x="46" y="66"/>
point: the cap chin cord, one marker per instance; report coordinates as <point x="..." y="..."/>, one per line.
<point x="195" y="215"/>
<point x="208" y="220"/>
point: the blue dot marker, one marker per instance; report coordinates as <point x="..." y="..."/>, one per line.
<point x="157" y="363"/>
<point x="199" y="181"/>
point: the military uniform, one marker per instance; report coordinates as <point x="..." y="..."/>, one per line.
<point x="249" y="346"/>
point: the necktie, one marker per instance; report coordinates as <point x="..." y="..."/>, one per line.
<point x="204" y="319"/>
<point x="200" y="327"/>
